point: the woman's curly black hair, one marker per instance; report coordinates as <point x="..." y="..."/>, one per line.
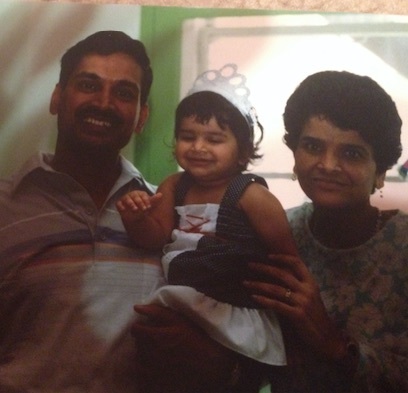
<point x="350" y="102"/>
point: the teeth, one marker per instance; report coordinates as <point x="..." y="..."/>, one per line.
<point x="99" y="123"/>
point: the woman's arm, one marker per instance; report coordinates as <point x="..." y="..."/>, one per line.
<point x="376" y="363"/>
<point x="289" y="288"/>
<point x="303" y="307"/>
<point x="320" y="357"/>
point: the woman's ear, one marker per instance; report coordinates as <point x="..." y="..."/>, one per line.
<point x="294" y="174"/>
<point x="379" y="181"/>
<point x="55" y="99"/>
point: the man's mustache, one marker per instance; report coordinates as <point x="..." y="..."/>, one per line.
<point x="106" y="115"/>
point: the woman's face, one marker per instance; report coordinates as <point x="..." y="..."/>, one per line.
<point x="335" y="167"/>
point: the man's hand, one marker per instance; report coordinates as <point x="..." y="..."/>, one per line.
<point x="174" y="355"/>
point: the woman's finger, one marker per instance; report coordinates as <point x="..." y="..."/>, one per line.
<point x="291" y="263"/>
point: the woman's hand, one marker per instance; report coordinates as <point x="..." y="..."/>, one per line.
<point x="290" y="290"/>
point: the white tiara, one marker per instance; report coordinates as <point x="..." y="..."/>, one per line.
<point x="231" y="85"/>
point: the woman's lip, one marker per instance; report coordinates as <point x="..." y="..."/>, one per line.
<point x="328" y="182"/>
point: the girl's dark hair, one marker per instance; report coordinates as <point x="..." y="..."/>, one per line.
<point x="350" y="102"/>
<point x="204" y="105"/>
<point x="106" y="43"/>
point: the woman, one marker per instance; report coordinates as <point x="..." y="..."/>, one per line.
<point x="345" y="306"/>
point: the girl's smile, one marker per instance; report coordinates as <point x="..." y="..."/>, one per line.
<point x="207" y="151"/>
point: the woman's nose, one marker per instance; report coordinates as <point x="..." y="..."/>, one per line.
<point x="329" y="162"/>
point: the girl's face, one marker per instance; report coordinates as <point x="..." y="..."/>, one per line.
<point x="208" y="152"/>
<point x="335" y="167"/>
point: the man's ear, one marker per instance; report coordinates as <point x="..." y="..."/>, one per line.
<point x="55" y="99"/>
<point x="143" y="116"/>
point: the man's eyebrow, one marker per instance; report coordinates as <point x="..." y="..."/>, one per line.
<point x="85" y="74"/>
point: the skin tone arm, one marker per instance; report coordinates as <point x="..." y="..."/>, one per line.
<point x="176" y="356"/>
<point x="268" y="218"/>
<point x="305" y="310"/>
<point x="149" y="220"/>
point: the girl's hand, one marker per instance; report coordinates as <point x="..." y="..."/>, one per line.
<point x="137" y="202"/>
<point x="290" y="290"/>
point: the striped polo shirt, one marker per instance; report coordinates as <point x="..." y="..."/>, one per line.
<point x="69" y="278"/>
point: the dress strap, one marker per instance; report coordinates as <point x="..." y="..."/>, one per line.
<point x="237" y="187"/>
<point x="182" y="187"/>
<point x="232" y="194"/>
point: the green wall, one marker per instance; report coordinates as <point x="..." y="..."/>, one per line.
<point x="161" y="30"/>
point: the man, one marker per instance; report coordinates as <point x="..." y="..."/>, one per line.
<point x="69" y="277"/>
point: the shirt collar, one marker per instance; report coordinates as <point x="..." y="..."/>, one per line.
<point x="39" y="160"/>
<point x="130" y="173"/>
<point x="43" y="161"/>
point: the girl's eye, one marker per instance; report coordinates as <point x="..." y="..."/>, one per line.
<point x="215" y="140"/>
<point x="185" y="137"/>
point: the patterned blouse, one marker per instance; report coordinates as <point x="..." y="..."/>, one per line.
<point x="365" y="291"/>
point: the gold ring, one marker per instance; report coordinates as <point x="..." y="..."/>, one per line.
<point x="288" y="293"/>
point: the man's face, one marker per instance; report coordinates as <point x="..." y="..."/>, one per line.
<point x="100" y="106"/>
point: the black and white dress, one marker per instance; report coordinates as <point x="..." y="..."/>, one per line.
<point x="205" y="265"/>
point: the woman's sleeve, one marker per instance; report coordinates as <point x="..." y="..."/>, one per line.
<point x="383" y="365"/>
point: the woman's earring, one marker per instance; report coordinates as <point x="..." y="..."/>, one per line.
<point x="380" y="191"/>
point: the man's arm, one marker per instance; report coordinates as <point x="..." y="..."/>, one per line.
<point x="174" y="355"/>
